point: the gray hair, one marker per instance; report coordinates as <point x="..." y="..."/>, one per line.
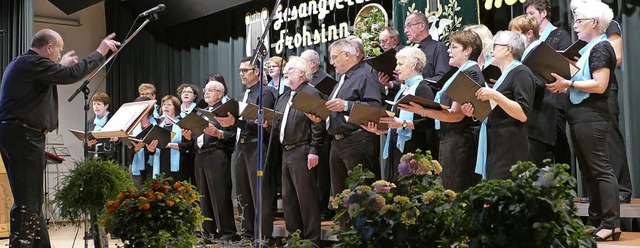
<point x="596" y="10"/>
<point x="311" y="55"/>
<point x="485" y="35"/>
<point x="300" y="64"/>
<point x="215" y="85"/>
<point x="357" y="42"/>
<point x="413" y="55"/>
<point x="343" y="45"/>
<point x="392" y="31"/>
<point x="575" y="3"/>
<point x="513" y="39"/>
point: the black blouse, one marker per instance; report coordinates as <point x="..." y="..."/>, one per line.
<point x="519" y="86"/>
<point x="558" y="39"/>
<point x="595" y="107"/>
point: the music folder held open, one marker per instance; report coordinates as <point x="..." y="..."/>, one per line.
<point x="231" y="106"/>
<point x="363" y="114"/>
<point x="463" y="90"/>
<point x="311" y="104"/>
<point x="385" y="63"/>
<point x="154" y="132"/>
<point x="543" y="60"/>
<point x="80" y="135"/>
<point x="193" y="122"/>
<point x="491" y="73"/>
<point x="573" y="51"/>
<point x="424" y="102"/>
<point x="326" y="85"/>
<point x="125" y="119"/>
<point x="440" y="83"/>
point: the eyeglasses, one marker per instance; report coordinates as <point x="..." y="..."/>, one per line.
<point x="146" y="94"/>
<point x="273" y="66"/>
<point x="187" y="91"/>
<point x="497" y="44"/>
<point x="387" y="40"/>
<point x="581" y="20"/>
<point x="334" y="57"/>
<point x="211" y="90"/>
<point x="291" y="69"/>
<point x="409" y="25"/>
<point x="245" y="70"/>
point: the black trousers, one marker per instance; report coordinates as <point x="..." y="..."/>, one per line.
<point x="347" y="153"/>
<point x="23" y="155"/>
<point x="246" y="156"/>
<point x="324" y="174"/>
<point x="589" y="141"/>
<point x="212" y="170"/>
<point x="617" y="150"/>
<point x="539" y="151"/>
<point x="458" y="153"/>
<point x="299" y="194"/>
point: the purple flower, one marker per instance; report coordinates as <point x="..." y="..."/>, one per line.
<point x="404" y="168"/>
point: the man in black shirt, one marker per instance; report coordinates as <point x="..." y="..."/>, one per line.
<point x="351" y="145"/>
<point x="28" y="110"/>
<point x="416" y="27"/>
<point x="246" y="155"/>
<point x="301" y="140"/>
<point x="323" y="171"/>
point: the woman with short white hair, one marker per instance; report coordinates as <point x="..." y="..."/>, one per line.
<point x="503" y="134"/>
<point x="590" y="118"/>
<point x="407" y="131"/>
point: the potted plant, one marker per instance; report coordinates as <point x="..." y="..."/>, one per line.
<point x="85" y="190"/>
<point x="163" y="213"/>
<point x="534" y="208"/>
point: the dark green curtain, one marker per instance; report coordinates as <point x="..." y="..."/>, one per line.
<point x="16" y="19"/>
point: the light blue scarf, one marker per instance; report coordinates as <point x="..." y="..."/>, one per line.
<point x="175" y="154"/>
<point x="487" y="61"/>
<point x="577" y="96"/>
<point x="99" y="123"/>
<point x="185" y="113"/>
<point x="138" y="159"/>
<point x="481" y="159"/>
<point x="403" y="135"/>
<point x="546" y="32"/>
<point x="531" y="46"/>
<point x="466" y="65"/>
<point x="280" y="86"/>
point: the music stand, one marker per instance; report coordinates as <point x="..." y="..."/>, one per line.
<point x="50" y="158"/>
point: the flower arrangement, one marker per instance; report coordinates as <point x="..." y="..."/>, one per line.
<point x="533" y="209"/>
<point x="164" y="213"/>
<point x="368" y="26"/>
<point x="412" y="212"/>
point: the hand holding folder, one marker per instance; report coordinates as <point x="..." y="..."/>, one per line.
<point x="543" y="60"/>
<point x="463" y="90"/>
<point x="424" y="102"/>
<point x="311" y="104"/>
<point x="363" y="114"/>
<point x="193" y="122"/>
<point x="154" y="132"/>
<point x="385" y="62"/>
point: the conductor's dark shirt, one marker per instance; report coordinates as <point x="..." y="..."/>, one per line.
<point x="29" y="92"/>
<point x="360" y="86"/>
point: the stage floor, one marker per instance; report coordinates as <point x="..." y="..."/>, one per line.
<point x="63" y="237"/>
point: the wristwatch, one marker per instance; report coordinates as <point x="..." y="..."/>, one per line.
<point x="346" y="105"/>
<point x="404" y="125"/>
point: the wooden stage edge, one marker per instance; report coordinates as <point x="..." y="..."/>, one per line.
<point x="627" y="210"/>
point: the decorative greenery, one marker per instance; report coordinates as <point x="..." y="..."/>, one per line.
<point x="415" y="213"/>
<point x="533" y="209"/>
<point x="450" y="14"/>
<point x="163" y="213"/>
<point x="368" y="26"/>
<point x="89" y="186"/>
<point x="296" y="241"/>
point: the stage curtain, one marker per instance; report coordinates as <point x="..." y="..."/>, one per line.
<point x="16" y="21"/>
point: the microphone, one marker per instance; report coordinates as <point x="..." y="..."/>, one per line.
<point x="153" y="10"/>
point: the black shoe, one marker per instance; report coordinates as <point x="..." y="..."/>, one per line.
<point x="583" y="199"/>
<point x="624" y="198"/>
<point x="327" y="215"/>
<point x="614" y="235"/>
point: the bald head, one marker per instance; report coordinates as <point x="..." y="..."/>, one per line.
<point x="45" y="37"/>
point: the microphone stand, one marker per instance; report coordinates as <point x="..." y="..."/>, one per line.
<point x="85" y="90"/>
<point x="257" y="53"/>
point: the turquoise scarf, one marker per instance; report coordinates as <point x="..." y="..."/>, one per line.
<point x="403" y="135"/>
<point x="99" y="123"/>
<point x="481" y="159"/>
<point x="184" y="113"/>
<point x="280" y="86"/>
<point x="175" y="154"/>
<point x="531" y="46"/>
<point x="138" y="162"/>
<point x="577" y="96"/>
<point x="546" y="32"/>
<point x="466" y="65"/>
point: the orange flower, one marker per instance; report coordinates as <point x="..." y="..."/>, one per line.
<point x="177" y="185"/>
<point x="164" y="190"/>
<point x="144" y="206"/>
<point x="121" y="196"/>
<point x="170" y="202"/>
<point x="165" y="182"/>
<point x="159" y="195"/>
<point x="187" y="187"/>
<point x="155" y="185"/>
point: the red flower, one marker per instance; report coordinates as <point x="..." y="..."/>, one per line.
<point x="177" y="185"/>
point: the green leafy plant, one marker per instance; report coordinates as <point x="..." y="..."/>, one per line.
<point x="367" y="27"/>
<point x="163" y="213"/>
<point x="412" y="212"/>
<point x="533" y="209"/>
<point x="296" y="241"/>
<point x="87" y="187"/>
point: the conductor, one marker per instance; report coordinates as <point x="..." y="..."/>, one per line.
<point x="28" y="111"/>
